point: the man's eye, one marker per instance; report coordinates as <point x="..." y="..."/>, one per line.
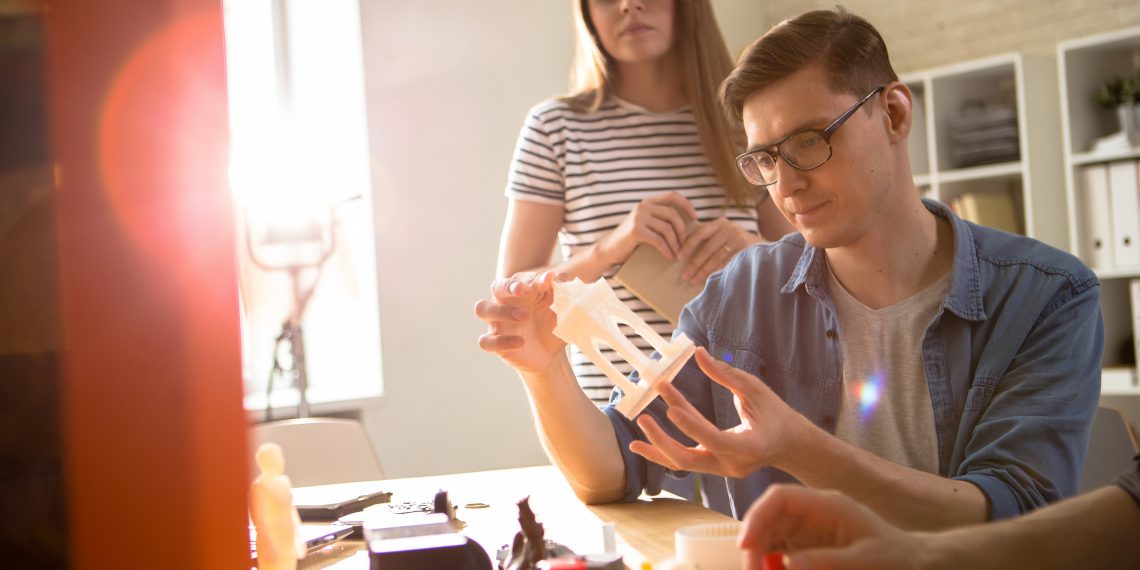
<point x="807" y="141"/>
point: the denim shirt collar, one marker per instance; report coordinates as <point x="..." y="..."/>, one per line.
<point x="964" y="298"/>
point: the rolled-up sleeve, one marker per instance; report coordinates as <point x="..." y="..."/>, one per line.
<point x="642" y="475"/>
<point x="1030" y="441"/>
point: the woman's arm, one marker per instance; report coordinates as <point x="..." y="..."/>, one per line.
<point x="822" y="530"/>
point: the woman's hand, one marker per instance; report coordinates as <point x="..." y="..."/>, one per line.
<point x="520" y="322"/>
<point x="824" y="530"/>
<point x="711" y="246"/>
<point x="658" y="221"/>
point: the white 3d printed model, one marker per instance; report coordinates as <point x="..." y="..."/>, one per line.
<point x="588" y="317"/>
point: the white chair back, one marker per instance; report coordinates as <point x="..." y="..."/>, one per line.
<point x="1110" y="450"/>
<point x="320" y="451"/>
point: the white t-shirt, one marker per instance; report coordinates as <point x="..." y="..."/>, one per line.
<point x="598" y="167"/>
<point x="886" y="407"/>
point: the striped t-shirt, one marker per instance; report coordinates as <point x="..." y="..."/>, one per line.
<point x="598" y="166"/>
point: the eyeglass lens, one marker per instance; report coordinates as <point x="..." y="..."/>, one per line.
<point x="804" y="151"/>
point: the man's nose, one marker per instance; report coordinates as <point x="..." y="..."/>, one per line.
<point x="789" y="180"/>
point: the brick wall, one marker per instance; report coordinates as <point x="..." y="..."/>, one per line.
<point x="931" y="33"/>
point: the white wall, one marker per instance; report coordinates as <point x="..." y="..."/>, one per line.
<point x="448" y="84"/>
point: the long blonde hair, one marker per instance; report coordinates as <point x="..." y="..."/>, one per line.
<point x="706" y="62"/>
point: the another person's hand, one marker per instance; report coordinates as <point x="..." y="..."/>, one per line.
<point x="824" y="530"/>
<point x="712" y="245"/>
<point x="520" y="322"/>
<point x="657" y="221"/>
<point x="768" y="428"/>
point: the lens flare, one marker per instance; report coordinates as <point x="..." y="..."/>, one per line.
<point x="867" y="393"/>
<point x="163" y="142"/>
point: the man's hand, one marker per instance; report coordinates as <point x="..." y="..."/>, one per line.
<point x="520" y="322"/>
<point x="768" y="427"/>
<point x="824" y="530"/>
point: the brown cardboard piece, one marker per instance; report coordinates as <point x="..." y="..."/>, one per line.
<point x="656" y="279"/>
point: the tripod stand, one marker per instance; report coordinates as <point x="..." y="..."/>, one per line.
<point x="316" y="243"/>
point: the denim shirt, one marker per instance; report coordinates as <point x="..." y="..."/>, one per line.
<point x="1012" y="359"/>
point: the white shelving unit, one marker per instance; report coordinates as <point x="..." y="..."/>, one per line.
<point x="1084" y="64"/>
<point x="1035" y="179"/>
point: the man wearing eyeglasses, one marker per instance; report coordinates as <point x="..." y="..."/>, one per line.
<point x="939" y="372"/>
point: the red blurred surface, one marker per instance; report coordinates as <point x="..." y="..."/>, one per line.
<point x="153" y="426"/>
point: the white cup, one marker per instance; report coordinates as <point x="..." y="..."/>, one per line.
<point x="709" y="546"/>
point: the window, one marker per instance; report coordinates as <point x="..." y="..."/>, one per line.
<point x="302" y="189"/>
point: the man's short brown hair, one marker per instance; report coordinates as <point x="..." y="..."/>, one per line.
<point x="849" y="48"/>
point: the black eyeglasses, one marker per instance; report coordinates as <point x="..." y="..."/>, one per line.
<point x="803" y="150"/>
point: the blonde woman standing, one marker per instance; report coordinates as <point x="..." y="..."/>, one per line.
<point x="638" y="145"/>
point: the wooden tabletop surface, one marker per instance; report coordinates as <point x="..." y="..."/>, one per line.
<point x="644" y="528"/>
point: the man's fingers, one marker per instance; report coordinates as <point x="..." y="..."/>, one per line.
<point x="738" y="382"/>
<point x="686" y="417"/>
<point x="648" y="450"/>
<point x="673" y="396"/>
<point x="662" y="446"/>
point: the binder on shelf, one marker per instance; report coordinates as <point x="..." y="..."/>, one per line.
<point x="1117" y="381"/>
<point x="1134" y="301"/>
<point x="1122" y="185"/>
<point x="994" y="209"/>
<point x="1096" y="217"/>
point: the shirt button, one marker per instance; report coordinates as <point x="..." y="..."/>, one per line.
<point x="830" y="334"/>
<point x="828" y="420"/>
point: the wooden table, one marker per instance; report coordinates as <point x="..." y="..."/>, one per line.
<point x="644" y="528"/>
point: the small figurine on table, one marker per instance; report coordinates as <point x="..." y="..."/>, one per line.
<point x="274" y="516"/>
<point x="529" y="545"/>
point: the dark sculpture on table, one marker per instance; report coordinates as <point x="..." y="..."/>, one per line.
<point x="529" y="546"/>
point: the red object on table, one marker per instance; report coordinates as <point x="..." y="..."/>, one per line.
<point x="774" y="561"/>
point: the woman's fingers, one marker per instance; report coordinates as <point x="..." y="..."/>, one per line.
<point x="709" y="258"/>
<point x="701" y="235"/>
<point x="497" y="344"/>
<point x="491" y="312"/>
<point x="678" y="201"/>
<point x="662" y="235"/>
<point x="678" y="229"/>
<point x="710" y="247"/>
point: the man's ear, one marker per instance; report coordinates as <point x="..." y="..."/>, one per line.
<point x="899" y="105"/>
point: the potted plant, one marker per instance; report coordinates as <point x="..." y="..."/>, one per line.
<point x="1123" y="94"/>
